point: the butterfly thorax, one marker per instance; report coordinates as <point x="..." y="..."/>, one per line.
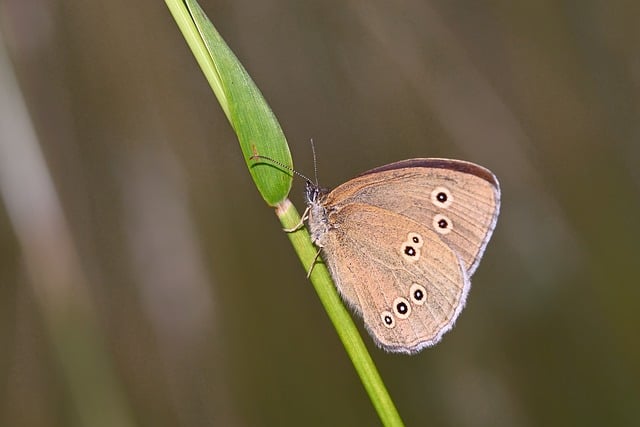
<point x="318" y="219"/>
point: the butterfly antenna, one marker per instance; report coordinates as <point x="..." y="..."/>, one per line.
<point x="277" y="163"/>
<point x="315" y="163"/>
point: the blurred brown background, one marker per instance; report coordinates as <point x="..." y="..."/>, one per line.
<point x="143" y="282"/>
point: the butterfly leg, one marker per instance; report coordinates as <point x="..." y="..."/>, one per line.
<point x="313" y="264"/>
<point x="298" y="226"/>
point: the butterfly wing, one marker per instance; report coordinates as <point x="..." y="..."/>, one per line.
<point x="458" y="200"/>
<point x="406" y="282"/>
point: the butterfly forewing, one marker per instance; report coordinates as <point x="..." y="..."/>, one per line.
<point x="458" y="200"/>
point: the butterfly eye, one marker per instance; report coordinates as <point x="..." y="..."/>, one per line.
<point x="401" y="308"/>
<point x="441" y="197"/>
<point x="410" y="251"/>
<point x="387" y="319"/>
<point x="418" y="294"/>
<point x="442" y="224"/>
<point x="416" y="239"/>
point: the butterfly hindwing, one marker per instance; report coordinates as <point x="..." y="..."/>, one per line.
<point x="407" y="283"/>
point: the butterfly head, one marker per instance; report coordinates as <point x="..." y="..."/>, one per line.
<point x="313" y="193"/>
<point x="317" y="212"/>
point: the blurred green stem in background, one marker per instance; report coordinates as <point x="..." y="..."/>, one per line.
<point x="54" y="270"/>
<point x="259" y="132"/>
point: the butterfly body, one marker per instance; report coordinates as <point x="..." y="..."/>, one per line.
<point x="401" y="242"/>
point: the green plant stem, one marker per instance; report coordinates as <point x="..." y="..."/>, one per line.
<point x="258" y="129"/>
<point x="339" y="316"/>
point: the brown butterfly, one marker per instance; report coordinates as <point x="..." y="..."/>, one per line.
<point x="401" y="242"/>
